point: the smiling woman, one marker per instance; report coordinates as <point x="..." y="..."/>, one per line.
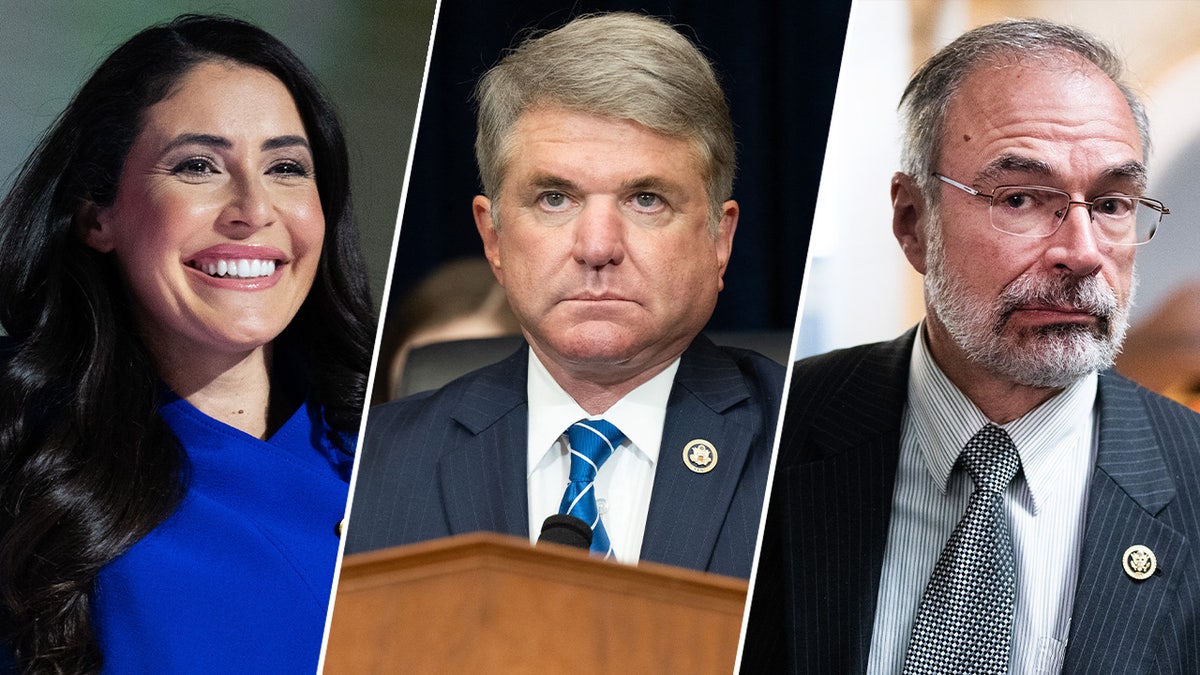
<point x="220" y="176"/>
<point x="190" y="332"/>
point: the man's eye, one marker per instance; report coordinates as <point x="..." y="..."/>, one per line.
<point x="1116" y="207"/>
<point x="554" y="200"/>
<point x="1018" y="201"/>
<point x="646" y="200"/>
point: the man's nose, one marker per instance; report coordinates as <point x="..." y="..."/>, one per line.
<point x="599" y="234"/>
<point x="1075" y="246"/>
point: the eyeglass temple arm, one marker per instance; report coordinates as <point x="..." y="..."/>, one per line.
<point x="965" y="188"/>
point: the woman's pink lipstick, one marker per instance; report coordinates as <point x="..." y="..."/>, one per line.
<point x="238" y="267"/>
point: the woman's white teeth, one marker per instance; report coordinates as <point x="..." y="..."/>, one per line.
<point x="240" y="269"/>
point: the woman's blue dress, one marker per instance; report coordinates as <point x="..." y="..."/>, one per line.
<point x="237" y="580"/>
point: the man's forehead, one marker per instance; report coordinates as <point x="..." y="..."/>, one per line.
<point x="1006" y="76"/>
<point x="538" y="112"/>
<point x="549" y="132"/>
<point x="1041" y="116"/>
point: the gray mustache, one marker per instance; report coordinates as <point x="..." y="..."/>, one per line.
<point x="1086" y="294"/>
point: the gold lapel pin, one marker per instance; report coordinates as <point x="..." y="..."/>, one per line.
<point x="700" y="456"/>
<point x="1139" y="562"/>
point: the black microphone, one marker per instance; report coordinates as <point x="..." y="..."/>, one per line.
<point x="562" y="528"/>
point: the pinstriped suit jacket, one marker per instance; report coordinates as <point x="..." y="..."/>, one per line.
<point x="454" y="461"/>
<point x="818" y="576"/>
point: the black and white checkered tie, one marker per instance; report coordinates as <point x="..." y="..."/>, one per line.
<point x="964" y="624"/>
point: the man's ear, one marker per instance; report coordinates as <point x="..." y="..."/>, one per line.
<point x="725" y="229"/>
<point x="93" y="225"/>
<point x="481" y="208"/>
<point x="908" y="212"/>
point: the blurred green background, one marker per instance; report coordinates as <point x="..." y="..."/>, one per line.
<point x="368" y="54"/>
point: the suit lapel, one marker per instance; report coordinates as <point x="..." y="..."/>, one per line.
<point x="493" y="413"/>
<point x="1116" y="618"/>
<point x="687" y="509"/>
<point x="837" y="500"/>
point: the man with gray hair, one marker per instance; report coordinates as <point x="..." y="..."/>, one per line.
<point x="606" y="154"/>
<point x="983" y="495"/>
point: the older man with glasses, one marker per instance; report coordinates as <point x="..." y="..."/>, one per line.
<point x="983" y="495"/>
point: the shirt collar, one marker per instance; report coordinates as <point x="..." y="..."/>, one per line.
<point x="640" y="414"/>
<point x="944" y="419"/>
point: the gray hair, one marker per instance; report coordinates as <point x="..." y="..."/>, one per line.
<point x="927" y="97"/>
<point x="618" y="65"/>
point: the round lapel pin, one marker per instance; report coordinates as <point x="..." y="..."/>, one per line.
<point x="700" y="456"/>
<point x="1139" y="562"/>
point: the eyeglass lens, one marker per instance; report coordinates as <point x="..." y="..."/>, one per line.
<point x="1038" y="212"/>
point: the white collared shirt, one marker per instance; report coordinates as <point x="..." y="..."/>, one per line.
<point x="624" y="482"/>
<point x="1046" y="503"/>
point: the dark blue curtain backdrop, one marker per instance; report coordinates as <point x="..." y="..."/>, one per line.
<point x="778" y="62"/>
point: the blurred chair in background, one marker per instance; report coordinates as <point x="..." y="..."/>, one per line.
<point x="458" y="300"/>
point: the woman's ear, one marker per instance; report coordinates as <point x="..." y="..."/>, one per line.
<point x="92" y="226"/>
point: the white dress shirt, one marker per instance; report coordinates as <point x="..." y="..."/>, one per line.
<point x="624" y="482"/>
<point x="1046" y="504"/>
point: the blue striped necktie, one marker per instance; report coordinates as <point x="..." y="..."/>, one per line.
<point x="592" y="442"/>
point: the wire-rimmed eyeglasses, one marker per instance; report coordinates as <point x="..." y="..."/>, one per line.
<point x="1038" y="211"/>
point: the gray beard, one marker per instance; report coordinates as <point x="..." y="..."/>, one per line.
<point x="1052" y="356"/>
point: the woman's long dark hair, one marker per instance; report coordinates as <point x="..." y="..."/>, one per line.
<point x="87" y="466"/>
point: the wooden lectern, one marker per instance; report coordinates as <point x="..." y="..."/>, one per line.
<point x="489" y="603"/>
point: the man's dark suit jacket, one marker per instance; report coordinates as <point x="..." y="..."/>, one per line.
<point x="455" y="461"/>
<point x="818" y="575"/>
